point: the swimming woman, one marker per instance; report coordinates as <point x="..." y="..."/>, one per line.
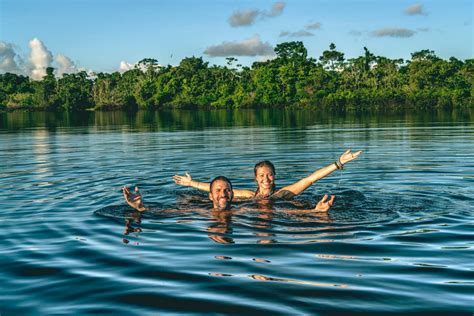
<point x="265" y="177"/>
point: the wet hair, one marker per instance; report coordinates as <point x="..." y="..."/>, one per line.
<point x="264" y="163"/>
<point x="222" y="178"/>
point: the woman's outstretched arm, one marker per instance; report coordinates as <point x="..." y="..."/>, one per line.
<point x="298" y="187"/>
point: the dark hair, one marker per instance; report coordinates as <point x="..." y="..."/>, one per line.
<point x="222" y="178"/>
<point x="264" y="163"/>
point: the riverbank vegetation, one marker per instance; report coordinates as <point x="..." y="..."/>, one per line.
<point x="291" y="79"/>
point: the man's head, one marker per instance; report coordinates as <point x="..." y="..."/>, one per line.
<point x="221" y="193"/>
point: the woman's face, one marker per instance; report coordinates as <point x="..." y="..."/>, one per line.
<point x="265" y="178"/>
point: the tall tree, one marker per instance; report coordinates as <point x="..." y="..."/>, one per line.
<point x="291" y="52"/>
<point x="332" y="58"/>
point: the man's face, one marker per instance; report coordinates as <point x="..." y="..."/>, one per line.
<point x="221" y="195"/>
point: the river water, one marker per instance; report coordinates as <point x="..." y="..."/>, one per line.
<point x="399" y="238"/>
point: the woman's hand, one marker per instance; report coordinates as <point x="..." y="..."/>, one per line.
<point x="183" y="180"/>
<point x="349" y="156"/>
<point x="324" y="205"/>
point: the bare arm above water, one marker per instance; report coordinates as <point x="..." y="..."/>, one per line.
<point x="188" y="181"/>
<point x="298" y="187"/>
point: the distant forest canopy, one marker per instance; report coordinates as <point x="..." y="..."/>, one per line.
<point x="291" y="79"/>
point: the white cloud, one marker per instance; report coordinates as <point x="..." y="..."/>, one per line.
<point x="9" y="60"/>
<point x="393" y="32"/>
<point x="313" y="26"/>
<point x="40" y="59"/>
<point x="416" y="9"/>
<point x="124" y="66"/>
<point x="243" y="18"/>
<point x="277" y="9"/>
<point x="65" y="65"/>
<point x="248" y="17"/>
<point x="424" y="29"/>
<point x="248" y="47"/>
<point x="301" y="33"/>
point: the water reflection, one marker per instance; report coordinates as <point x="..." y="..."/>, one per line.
<point x="259" y="216"/>
<point x="220" y="224"/>
<point x="276" y="221"/>
<point x="400" y="230"/>
<point x="202" y="119"/>
<point x="260" y="277"/>
<point x="41" y="153"/>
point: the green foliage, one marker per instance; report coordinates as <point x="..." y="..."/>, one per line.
<point x="331" y="58"/>
<point x="291" y="52"/>
<point x="291" y="79"/>
<point x="114" y="90"/>
<point x="74" y="91"/>
<point x="45" y="92"/>
<point x="11" y="85"/>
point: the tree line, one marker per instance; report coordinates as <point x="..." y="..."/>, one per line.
<point x="290" y="79"/>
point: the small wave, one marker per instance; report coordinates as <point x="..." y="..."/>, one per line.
<point x="126" y="212"/>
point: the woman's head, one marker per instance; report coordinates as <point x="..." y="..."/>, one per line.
<point x="265" y="176"/>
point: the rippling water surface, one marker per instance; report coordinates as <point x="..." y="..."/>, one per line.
<point x="399" y="238"/>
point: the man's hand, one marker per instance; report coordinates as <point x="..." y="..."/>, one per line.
<point x="134" y="199"/>
<point x="183" y="180"/>
<point x="324" y="205"/>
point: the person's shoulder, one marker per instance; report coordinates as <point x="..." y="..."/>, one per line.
<point x="243" y="193"/>
<point x="282" y="194"/>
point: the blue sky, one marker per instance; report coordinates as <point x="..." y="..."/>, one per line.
<point x="100" y="34"/>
